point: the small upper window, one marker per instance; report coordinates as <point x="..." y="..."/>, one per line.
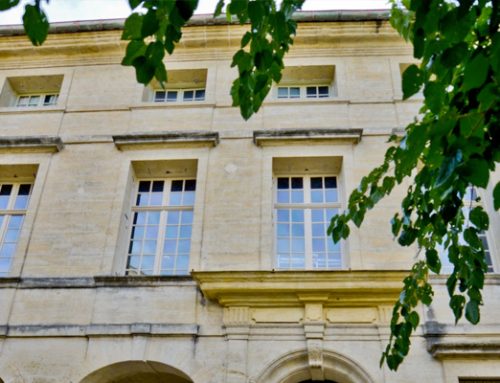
<point x="179" y="95"/>
<point x="312" y="91"/>
<point x="307" y="82"/>
<point x="31" y="92"/>
<point x="35" y="100"/>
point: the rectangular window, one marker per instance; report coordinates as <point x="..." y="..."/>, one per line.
<point x="179" y="95"/>
<point x="14" y="199"/>
<point x="304" y="206"/>
<point x="36" y="100"/>
<point x="470" y="202"/>
<point x="160" y="240"/>
<point x="310" y="91"/>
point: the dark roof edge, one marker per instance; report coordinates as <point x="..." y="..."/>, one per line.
<point x="201" y="20"/>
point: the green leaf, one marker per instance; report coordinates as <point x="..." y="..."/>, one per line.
<point x="412" y="80"/>
<point x="434" y="96"/>
<point x="479" y="218"/>
<point x="475" y="72"/>
<point x="236" y="7"/>
<point x="476" y="172"/>
<point x="186" y="8"/>
<point x="7" y="4"/>
<point x="219" y="7"/>
<point x="150" y="24"/>
<point x="496" y="196"/>
<point x="413" y="319"/>
<point x="155" y="53"/>
<point x="432" y="259"/>
<point x="144" y="71"/>
<point x="457" y="303"/>
<point x="471" y="122"/>
<point x="472" y="312"/>
<point x="453" y="56"/>
<point x="135" y="48"/>
<point x="36" y="24"/>
<point x="134" y="3"/>
<point x="132" y="28"/>
<point x="246" y="39"/>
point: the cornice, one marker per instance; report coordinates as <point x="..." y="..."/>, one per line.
<point x="203" y="42"/>
<point x="287" y="136"/>
<point x="46" y="144"/>
<point x="293" y="288"/>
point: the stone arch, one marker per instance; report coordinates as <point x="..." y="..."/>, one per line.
<point x="295" y="368"/>
<point x="137" y="371"/>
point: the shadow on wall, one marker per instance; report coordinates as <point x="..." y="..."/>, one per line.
<point x="136" y="372"/>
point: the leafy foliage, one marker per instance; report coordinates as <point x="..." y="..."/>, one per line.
<point x="455" y="144"/>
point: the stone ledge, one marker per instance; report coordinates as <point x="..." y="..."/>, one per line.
<point x="47" y="144"/>
<point x="95" y="282"/>
<point x="162" y="139"/>
<point x="105" y="329"/>
<point x="287" y="136"/>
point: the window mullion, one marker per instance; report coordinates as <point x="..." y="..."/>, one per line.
<point x="161" y="228"/>
<point x="307" y="223"/>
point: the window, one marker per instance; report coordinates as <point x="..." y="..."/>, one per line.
<point x="32" y="91"/>
<point x="14" y="199"/>
<point x="313" y="91"/>
<point x="470" y="201"/>
<point x="179" y="95"/>
<point x="36" y="100"/>
<point x="160" y="239"/>
<point x="304" y="206"/>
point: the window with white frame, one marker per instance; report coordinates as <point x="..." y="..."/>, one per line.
<point x="37" y="100"/>
<point x="309" y="91"/>
<point x="179" y="95"/>
<point x="304" y="206"/>
<point x="14" y="199"/>
<point x="160" y="239"/>
<point x="470" y="201"/>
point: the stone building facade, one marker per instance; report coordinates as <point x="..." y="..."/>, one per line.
<point x="151" y="235"/>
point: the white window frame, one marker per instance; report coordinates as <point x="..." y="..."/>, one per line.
<point x="307" y="206"/>
<point x="41" y="101"/>
<point x="469" y="203"/>
<point x="7" y="214"/>
<point x="303" y="92"/>
<point x="163" y="209"/>
<point x="180" y="95"/>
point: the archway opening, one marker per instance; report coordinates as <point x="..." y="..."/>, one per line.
<point x="137" y="372"/>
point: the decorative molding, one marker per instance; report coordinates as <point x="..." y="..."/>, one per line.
<point x="165" y="139"/>
<point x="287" y="136"/>
<point x="341" y="288"/>
<point x="44" y="144"/>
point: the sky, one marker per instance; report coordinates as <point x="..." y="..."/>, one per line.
<point x="71" y="10"/>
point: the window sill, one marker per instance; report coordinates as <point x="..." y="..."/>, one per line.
<point x="294" y="101"/>
<point x="173" y="105"/>
<point x="37" y="109"/>
<point x="33" y="143"/>
<point x="286" y="136"/>
<point x="139" y="140"/>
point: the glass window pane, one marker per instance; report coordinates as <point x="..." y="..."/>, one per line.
<point x="153" y="218"/>
<point x="185" y="231"/>
<point x="155" y="199"/>
<point x="283" y="246"/>
<point x="187" y="217"/>
<point x="168" y="262"/>
<point x="184" y="246"/>
<point x="294" y="92"/>
<point x="34" y="101"/>
<point x="282" y="92"/>
<point x="171" y="96"/>
<point x="188" y="95"/>
<point x="323" y="91"/>
<point x="7" y="250"/>
<point x="4" y="266"/>
<point x="171" y="231"/>
<point x="283" y="196"/>
<point x="169" y="247"/>
<point x="173" y="217"/>
<point x="311" y="91"/>
<point x="21" y="202"/>
<point x="298" y="245"/>
<point x="144" y="186"/>
<point x="11" y="235"/>
<point x="133" y="262"/>
<point x="297" y="196"/>
<point x="176" y="186"/>
<point x="190" y="185"/>
<point x="149" y="247"/>
<point x="137" y="232"/>
<point x="331" y="195"/>
<point x="6" y="190"/>
<point x="182" y="263"/>
<point x="188" y="199"/>
<point x="317" y="215"/>
<point x="159" y="96"/>
<point x="200" y="95"/>
<point x="175" y="199"/>
<point x="147" y="263"/>
<point x="283" y="230"/>
<point x="297" y="261"/>
<point x="158" y="186"/>
<point x="318" y="244"/>
<point x="139" y="218"/>
<point x="297" y="183"/>
<point x="24" y="189"/>
<point x="23" y="101"/>
<point x="283" y="215"/>
<point x="318" y="230"/>
<point x="298" y="215"/>
<point x="152" y="232"/>
<point x="316" y="183"/>
<point x="330" y="182"/>
<point x="282" y="183"/>
<point x="298" y="229"/>
<point x="317" y="196"/>
<point x="15" y="221"/>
